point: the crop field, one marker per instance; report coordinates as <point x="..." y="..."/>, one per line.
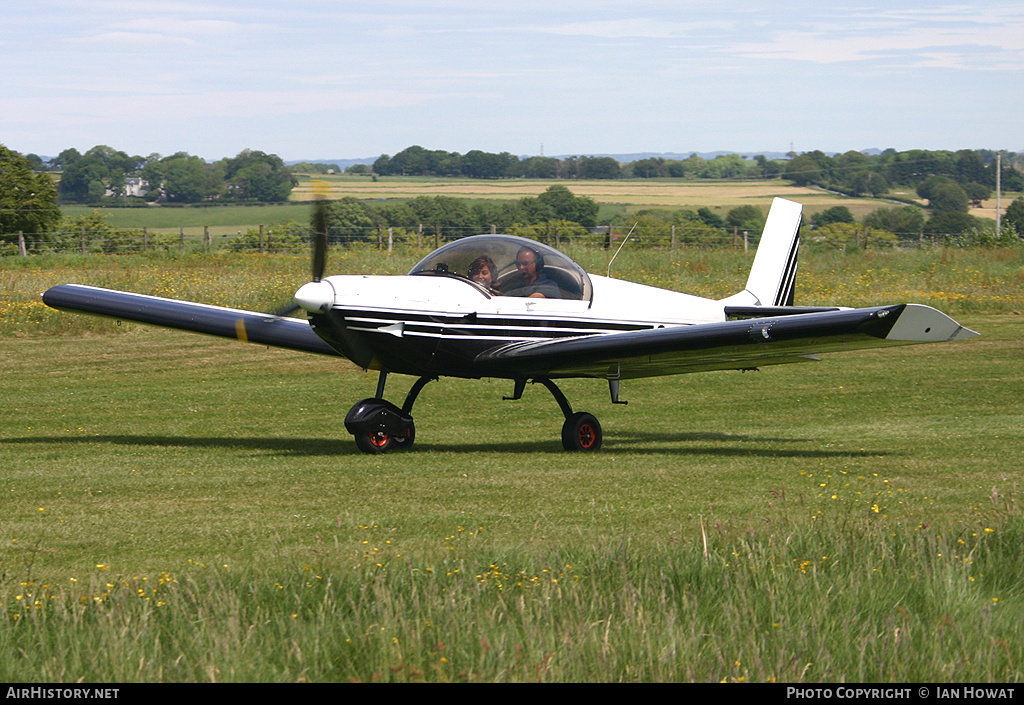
<point x="629" y="194"/>
<point x="183" y="508"/>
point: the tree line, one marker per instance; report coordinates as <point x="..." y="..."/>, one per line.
<point x="105" y="174"/>
<point x="853" y="173"/>
<point x="29" y="200"/>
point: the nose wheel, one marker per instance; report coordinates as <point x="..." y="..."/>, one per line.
<point x="379" y="426"/>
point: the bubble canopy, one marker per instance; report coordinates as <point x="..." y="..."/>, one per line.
<point x="456" y="258"/>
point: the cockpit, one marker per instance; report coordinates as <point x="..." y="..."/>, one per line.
<point x="505" y="265"/>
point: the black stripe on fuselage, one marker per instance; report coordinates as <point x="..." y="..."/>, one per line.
<point x="491" y="327"/>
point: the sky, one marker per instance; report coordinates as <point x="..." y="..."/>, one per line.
<point x="336" y="79"/>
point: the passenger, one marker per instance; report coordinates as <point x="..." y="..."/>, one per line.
<point x="482" y="272"/>
<point x="532" y="281"/>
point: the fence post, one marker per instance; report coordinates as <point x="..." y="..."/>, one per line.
<point x="419" y="235"/>
<point x="181" y="238"/>
<point x="21" y="244"/>
<point x="494" y="229"/>
<point x="672" y="246"/>
<point x="380" y="237"/>
<point x="206" y="237"/>
<point x="746" y="241"/>
<point x="145" y="238"/>
<point x="391" y="239"/>
<point x="83" y="240"/>
<point x="261" y="240"/>
<point x="437" y="236"/>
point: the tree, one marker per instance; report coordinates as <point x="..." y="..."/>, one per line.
<point x="351" y="219"/>
<point x="970" y="167"/>
<point x="452" y="215"/>
<point x="599" y="168"/>
<point x="977" y="193"/>
<point x="1015" y="216"/>
<point x="905" y="221"/>
<point x="836" y="214"/>
<point x="748" y="218"/>
<point x="539" y="167"/>
<point x="709" y="217"/>
<point x="485" y="165"/>
<point x="950" y="223"/>
<point x="810" y="168"/>
<point x="652" y="168"/>
<point x="256" y="176"/>
<point x="184" y="178"/>
<point x="562" y="204"/>
<point x="944" y="195"/>
<point x="28" y="201"/>
<point x="88" y="178"/>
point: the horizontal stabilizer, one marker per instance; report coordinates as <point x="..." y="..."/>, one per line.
<point x="730" y="345"/>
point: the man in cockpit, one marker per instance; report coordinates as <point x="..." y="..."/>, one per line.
<point x="532" y="281"/>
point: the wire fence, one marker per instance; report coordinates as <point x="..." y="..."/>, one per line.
<point x="293" y="239"/>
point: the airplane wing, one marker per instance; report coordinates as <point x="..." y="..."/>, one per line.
<point x="740" y="344"/>
<point x="247" y="326"/>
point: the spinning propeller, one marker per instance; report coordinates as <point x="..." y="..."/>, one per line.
<point x="318" y="295"/>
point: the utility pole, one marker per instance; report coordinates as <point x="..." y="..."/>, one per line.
<point x="999" y="194"/>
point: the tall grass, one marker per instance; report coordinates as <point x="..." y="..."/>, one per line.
<point x="953" y="280"/>
<point x="797" y="603"/>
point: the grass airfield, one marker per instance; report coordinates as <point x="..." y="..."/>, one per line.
<point x="182" y="508"/>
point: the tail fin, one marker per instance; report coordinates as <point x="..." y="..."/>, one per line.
<point x="773" y="274"/>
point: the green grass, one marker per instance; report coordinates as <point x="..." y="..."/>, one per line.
<point x="181" y="508"/>
<point x="220" y="219"/>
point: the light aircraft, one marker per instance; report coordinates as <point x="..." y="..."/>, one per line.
<point x="539" y="318"/>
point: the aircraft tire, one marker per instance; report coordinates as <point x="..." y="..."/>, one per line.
<point x="581" y="431"/>
<point x="374" y="443"/>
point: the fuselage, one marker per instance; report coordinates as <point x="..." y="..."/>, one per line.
<point x="437" y="325"/>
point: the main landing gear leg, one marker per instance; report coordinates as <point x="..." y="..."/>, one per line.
<point x="378" y="425"/>
<point x="580" y="431"/>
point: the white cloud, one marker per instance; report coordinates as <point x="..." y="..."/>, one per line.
<point x="631" y="28"/>
<point x="943" y="37"/>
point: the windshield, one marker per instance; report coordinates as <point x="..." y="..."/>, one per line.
<point x="506" y="265"/>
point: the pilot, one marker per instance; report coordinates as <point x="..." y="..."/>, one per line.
<point x="532" y="281"/>
<point x="482" y="272"/>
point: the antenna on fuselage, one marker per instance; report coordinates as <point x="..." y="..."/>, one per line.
<point x="620" y="248"/>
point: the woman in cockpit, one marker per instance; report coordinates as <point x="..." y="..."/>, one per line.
<point x="482" y="272"/>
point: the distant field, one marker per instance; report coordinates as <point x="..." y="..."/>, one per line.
<point x="647" y="193"/>
<point x="222" y="220"/>
<point x="615" y="197"/>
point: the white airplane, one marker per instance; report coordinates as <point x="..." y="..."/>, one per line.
<point x="506" y="307"/>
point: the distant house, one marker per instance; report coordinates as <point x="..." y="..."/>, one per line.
<point x="133" y="186"/>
